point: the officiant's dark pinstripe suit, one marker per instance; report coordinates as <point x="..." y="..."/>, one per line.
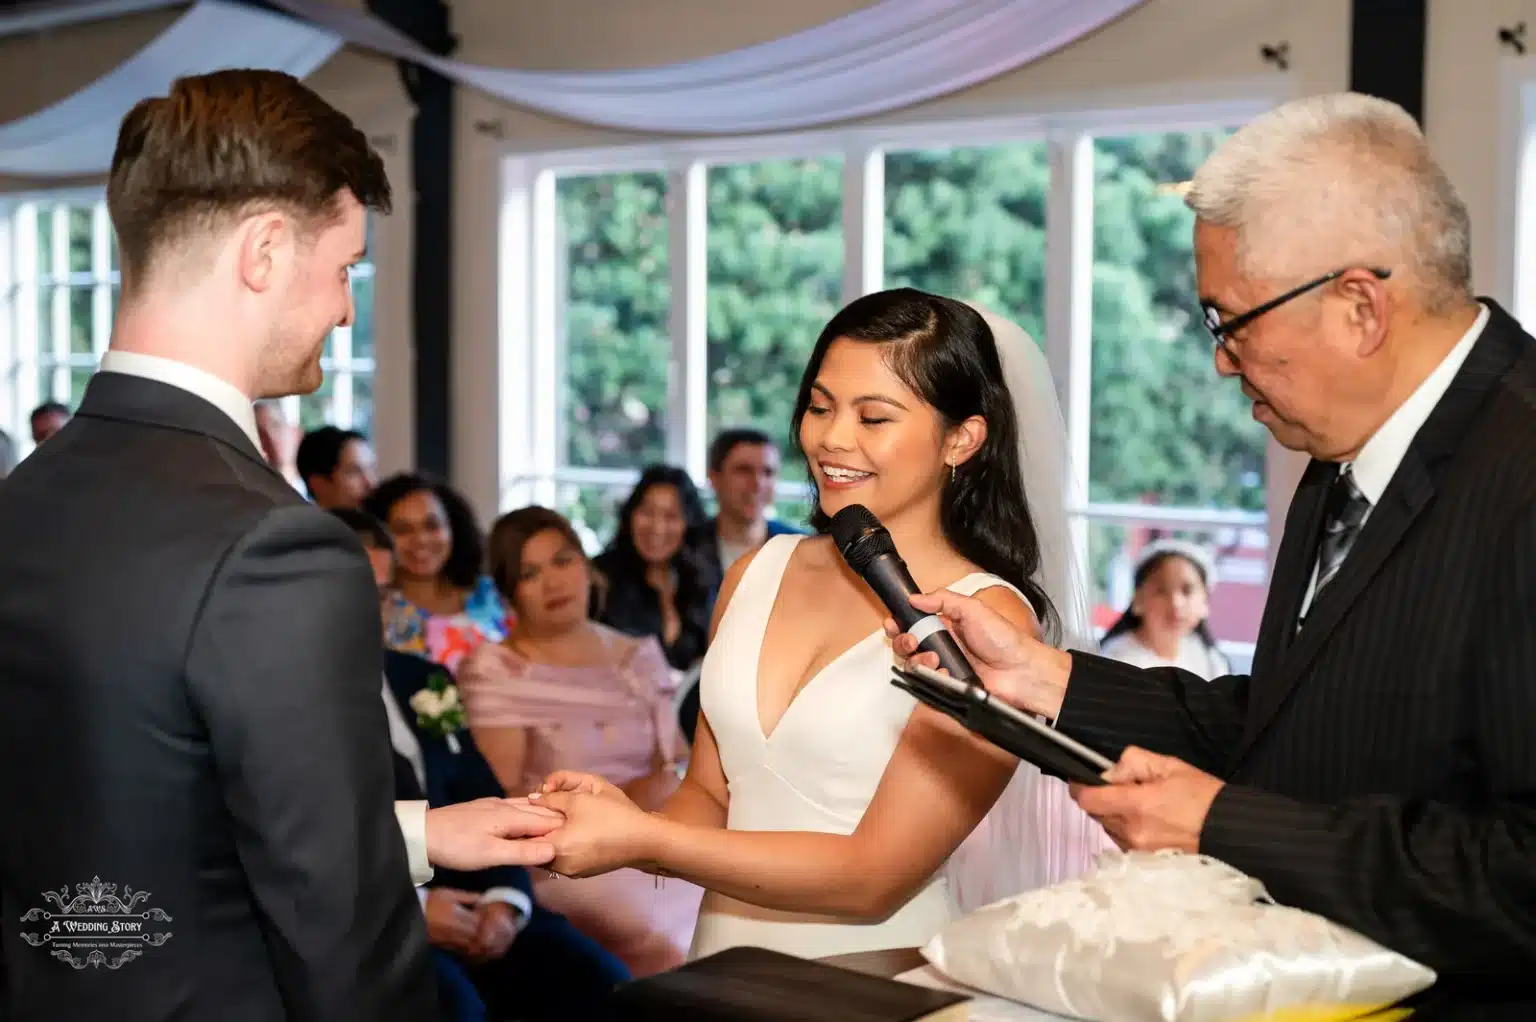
<point x="1381" y="762"/>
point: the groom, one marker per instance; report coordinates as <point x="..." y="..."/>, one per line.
<point x="195" y="774"/>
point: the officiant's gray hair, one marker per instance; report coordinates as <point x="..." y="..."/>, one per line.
<point x="1339" y="180"/>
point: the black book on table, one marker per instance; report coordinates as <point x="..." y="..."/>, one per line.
<point x="750" y="984"/>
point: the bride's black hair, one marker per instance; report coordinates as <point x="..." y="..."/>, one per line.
<point x="945" y="352"/>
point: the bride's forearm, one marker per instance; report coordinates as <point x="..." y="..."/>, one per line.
<point x="826" y="874"/>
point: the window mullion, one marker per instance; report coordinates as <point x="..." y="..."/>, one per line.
<point x="863" y="222"/>
<point x="688" y="371"/>
<point x="101" y="275"/>
<point x="1069" y="303"/>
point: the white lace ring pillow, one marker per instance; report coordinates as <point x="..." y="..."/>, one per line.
<point x="1167" y="937"/>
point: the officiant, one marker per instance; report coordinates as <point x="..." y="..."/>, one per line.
<point x="1377" y="767"/>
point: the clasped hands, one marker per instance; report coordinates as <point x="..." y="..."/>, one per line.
<point x="1150" y="802"/>
<point x="576" y="825"/>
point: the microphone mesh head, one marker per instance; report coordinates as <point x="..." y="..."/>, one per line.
<point x="860" y="537"/>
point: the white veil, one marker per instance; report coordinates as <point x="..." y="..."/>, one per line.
<point x="1035" y="835"/>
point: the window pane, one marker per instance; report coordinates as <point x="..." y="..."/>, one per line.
<point x="794" y="511"/>
<point x="79" y="376"/>
<point x="615" y="299"/>
<point x="362" y="403"/>
<point x="45" y="321"/>
<point x="80" y="320"/>
<point x="315" y="409"/>
<point x="80" y="218"/>
<point x="1239" y="556"/>
<point x="362" y="323"/>
<point x="775" y="257"/>
<point x="969" y="223"/>
<point x="112" y="250"/>
<point x="45" y="384"/>
<point x="44" y="241"/>
<point x="1165" y="428"/>
<point x="593" y="510"/>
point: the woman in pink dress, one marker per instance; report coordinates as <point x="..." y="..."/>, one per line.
<point x="562" y="691"/>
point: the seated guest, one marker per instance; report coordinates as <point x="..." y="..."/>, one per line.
<point x="279" y="441"/>
<point x="1165" y="625"/>
<point x="441" y="604"/>
<point x="743" y="472"/>
<point x="497" y="948"/>
<point x="47" y="419"/>
<point x="565" y="691"/>
<point x="655" y="582"/>
<point x="337" y="466"/>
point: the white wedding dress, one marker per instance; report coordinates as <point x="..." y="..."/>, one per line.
<point x="817" y="770"/>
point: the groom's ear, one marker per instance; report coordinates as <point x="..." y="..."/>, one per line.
<point x="965" y="440"/>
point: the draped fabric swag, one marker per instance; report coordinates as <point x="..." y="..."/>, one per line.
<point x="889" y="55"/>
<point x="75" y="136"/>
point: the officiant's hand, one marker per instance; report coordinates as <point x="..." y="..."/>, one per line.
<point x="1014" y="666"/>
<point x="601" y="832"/>
<point x="490" y="832"/>
<point x="1151" y="802"/>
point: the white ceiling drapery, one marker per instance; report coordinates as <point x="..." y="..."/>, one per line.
<point x="884" y="57"/>
<point x="75" y="136"/>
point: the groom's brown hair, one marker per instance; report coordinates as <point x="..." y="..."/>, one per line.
<point x="223" y="146"/>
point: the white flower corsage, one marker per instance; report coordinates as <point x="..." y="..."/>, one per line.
<point x="438" y="710"/>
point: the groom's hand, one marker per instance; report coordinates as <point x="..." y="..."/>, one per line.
<point x="490" y="832"/>
<point x="1014" y="666"/>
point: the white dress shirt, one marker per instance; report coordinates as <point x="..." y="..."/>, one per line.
<point x="412" y="816"/>
<point x="1376" y="464"/>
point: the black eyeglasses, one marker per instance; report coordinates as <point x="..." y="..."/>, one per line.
<point x="1220" y="331"/>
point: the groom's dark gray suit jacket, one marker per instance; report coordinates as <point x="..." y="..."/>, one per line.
<point x="190" y="661"/>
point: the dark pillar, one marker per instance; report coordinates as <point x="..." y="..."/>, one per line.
<point x="1386" y="51"/>
<point x="426" y="21"/>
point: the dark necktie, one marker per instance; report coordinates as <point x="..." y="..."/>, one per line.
<point x="1344" y="513"/>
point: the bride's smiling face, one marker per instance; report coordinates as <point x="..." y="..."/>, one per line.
<point x="870" y="439"/>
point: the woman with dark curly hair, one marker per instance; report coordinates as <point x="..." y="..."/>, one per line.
<point x="655" y="581"/>
<point x="442" y="604"/>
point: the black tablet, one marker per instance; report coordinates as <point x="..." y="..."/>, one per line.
<point x="1027" y="738"/>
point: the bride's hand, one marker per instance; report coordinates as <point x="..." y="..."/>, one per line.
<point x="600" y="833"/>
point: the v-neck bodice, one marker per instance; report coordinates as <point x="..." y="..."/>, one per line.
<point x="816" y="769"/>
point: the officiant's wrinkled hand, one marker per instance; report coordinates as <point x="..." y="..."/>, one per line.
<point x="1014" y="666"/>
<point x="1151" y="802"/>
<point x="490" y="832"/>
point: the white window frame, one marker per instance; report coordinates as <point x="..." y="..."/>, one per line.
<point x="22" y="281"/>
<point x="529" y="362"/>
<point x="1515" y="284"/>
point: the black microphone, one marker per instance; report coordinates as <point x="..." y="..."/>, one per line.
<point x="869" y="550"/>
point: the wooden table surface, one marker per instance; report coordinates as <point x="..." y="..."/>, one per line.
<point x="888" y="964"/>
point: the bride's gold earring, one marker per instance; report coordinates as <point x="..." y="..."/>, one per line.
<point x="951" y="473"/>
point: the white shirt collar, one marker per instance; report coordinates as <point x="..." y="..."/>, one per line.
<point x="1383" y="452"/>
<point x="223" y="395"/>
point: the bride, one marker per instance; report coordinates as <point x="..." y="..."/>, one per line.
<point x="824" y="810"/>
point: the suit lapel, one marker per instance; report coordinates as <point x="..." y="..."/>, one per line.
<point x="1410" y="491"/>
<point x="1293" y="568"/>
<point x="1405" y="497"/>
